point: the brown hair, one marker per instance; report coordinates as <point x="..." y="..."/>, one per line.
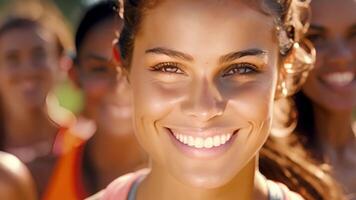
<point x="290" y="164"/>
<point x="306" y="129"/>
<point x="297" y="55"/>
<point x="42" y="13"/>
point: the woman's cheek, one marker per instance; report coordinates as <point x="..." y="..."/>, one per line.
<point x="255" y="105"/>
<point x="157" y="98"/>
<point x="320" y="57"/>
<point x="152" y="102"/>
<point x="255" y="97"/>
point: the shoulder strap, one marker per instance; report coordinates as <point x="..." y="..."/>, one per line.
<point x="121" y="188"/>
<point x="133" y="190"/>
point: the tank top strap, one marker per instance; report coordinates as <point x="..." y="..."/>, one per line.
<point x="134" y="187"/>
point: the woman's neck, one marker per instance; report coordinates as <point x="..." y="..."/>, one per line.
<point x="333" y="128"/>
<point x="160" y="185"/>
<point x="108" y="161"/>
<point x="26" y="128"/>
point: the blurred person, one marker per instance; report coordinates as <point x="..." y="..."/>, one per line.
<point x="328" y="99"/>
<point x="15" y="180"/>
<point x="33" y="48"/>
<point x="31" y="53"/>
<point x="113" y="150"/>
<point x="203" y="99"/>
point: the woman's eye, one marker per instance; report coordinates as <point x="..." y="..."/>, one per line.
<point x="168" y="68"/>
<point x="316" y="38"/>
<point x="240" y="69"/>
<point x="99" y="69"/>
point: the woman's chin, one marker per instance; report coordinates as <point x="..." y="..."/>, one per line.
<point x="206" y="180"/>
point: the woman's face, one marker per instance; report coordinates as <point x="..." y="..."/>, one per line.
<point x="106" y="92"/>
<point x="29" y="61"/>
<point x="332" y="84"/>
<point x="203" y="80"/>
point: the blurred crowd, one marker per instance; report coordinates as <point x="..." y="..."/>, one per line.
<point x="49" y="152"/>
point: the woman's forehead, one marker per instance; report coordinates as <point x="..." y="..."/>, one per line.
<point x="213" y="13"/>
<point x="203" y="8"/>
<point x="201" y="23"/>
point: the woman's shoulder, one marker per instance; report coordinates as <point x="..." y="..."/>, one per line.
<point x="15" y="179"/>
<point x="119" y="188"/>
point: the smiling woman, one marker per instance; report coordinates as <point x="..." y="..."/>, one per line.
<point x="328" y="98"/>
<point x="204" y="80"/>
<point x="32" y="50"/>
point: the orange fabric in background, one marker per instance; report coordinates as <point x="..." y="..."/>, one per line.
<point x="66" y="183"/>
<point x="65" y="141"/>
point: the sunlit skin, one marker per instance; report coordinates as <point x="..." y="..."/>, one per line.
<point x="204" y="82"/>
<point x="29" y="61"/>
<point x="15" y="180"/>
<point x="334" y="37"/>
<point x="108" y="103"/>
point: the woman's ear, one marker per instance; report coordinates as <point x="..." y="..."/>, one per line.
<point x="65" y="62"/>
<point x="122" y="71"/>
<point x="73" y="75"/>
<point x="116" y="54"/>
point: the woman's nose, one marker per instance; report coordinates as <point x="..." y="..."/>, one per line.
<point x="340" y="54"/>
<point x="204" y="101"/>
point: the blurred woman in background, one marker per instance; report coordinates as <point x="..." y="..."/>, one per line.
<point x="33" y="44"/>
<point x="328" y="99"/>
<point x="113" y="149"/>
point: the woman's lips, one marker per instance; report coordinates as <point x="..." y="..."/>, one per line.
<point x="202" y="144"/>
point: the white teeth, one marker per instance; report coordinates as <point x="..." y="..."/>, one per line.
<point x="340" y="78"/>
<point x="217" y="141"/>
<point x="223" y="139"/>
<point x="190" y="141"/>
<point x="199" y="142"/>
<point x="208" y="142"/>
<point x="185" y="139"/>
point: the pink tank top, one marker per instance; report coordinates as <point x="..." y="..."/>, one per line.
<point x="121" y="187"/>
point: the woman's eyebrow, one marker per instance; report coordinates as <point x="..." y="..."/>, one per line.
<point x="316" y="27"/>
<point x="239" y="54"/>
<point x="170" y="53"/>
<point x="96" y="57"/>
